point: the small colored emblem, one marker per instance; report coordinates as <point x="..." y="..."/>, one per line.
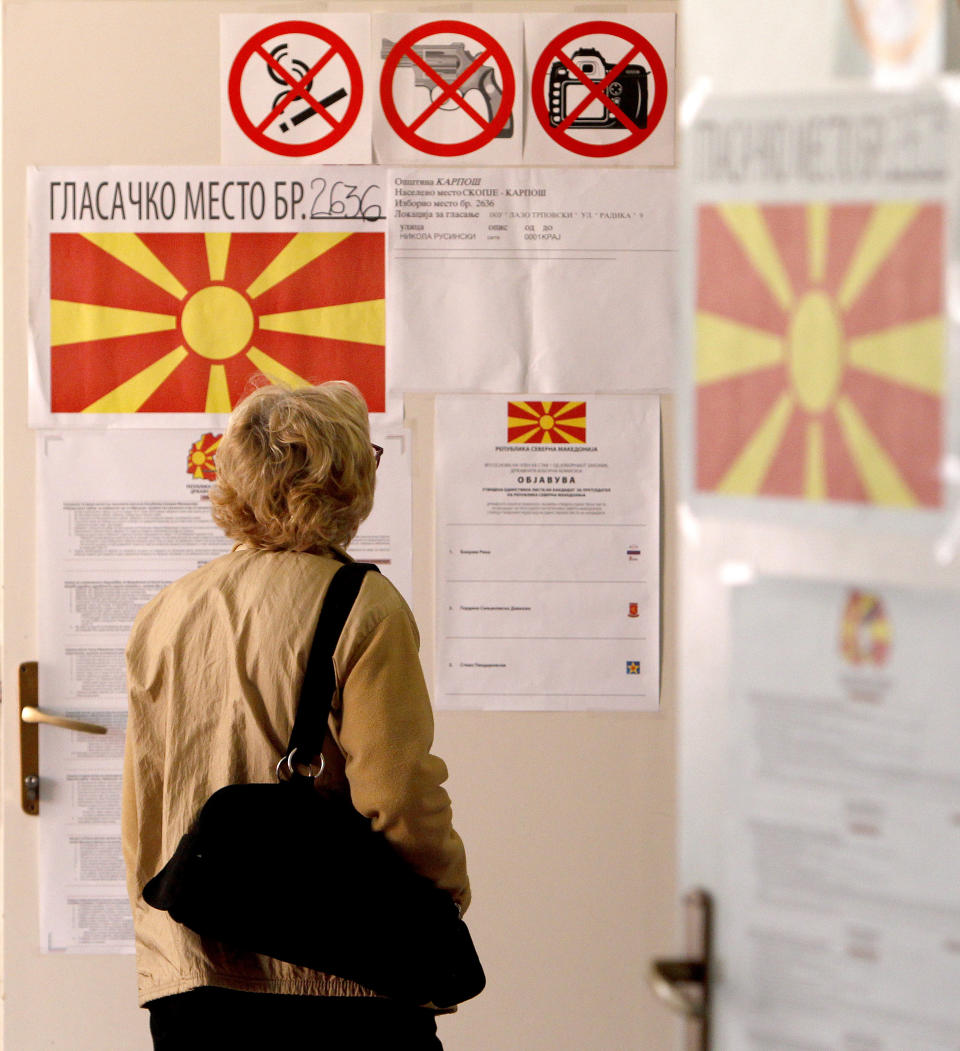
<point x="633" y="667"/>
<point x="865" y="633"/>
<point x="633" y="610"/>
<point x="200" y="459"/>
<point x="547" y="422"/>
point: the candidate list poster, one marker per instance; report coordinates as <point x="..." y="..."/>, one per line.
<point x="841" y="922"/>
<point x="121" y="515"/>
<point x="548" y="549"/>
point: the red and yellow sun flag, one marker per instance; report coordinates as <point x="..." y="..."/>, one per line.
<point x="201" y="460"/>
<point x="820" y="351"/>
<point x="180" y="322"/>
<point x="547" y="422"/>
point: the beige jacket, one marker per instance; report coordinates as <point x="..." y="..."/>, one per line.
<point x="214" y="665"/>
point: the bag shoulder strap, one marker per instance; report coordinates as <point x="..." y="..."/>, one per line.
<point x="319" y="680"/>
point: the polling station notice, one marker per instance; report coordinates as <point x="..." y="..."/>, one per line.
<point x="548" y="552"/>
<point x="531" y="279"/>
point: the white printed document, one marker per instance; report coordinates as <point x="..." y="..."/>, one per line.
<point x="548" y="541"/>
<point x="547" y="279"/>
<point x="839" y="902"/>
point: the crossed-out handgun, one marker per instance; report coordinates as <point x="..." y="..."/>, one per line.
<point x="449" y="61"/>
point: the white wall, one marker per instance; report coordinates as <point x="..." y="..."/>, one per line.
<point x="758" y="45"/>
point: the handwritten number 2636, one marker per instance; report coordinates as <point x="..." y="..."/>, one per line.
<point x="342" y="201"/>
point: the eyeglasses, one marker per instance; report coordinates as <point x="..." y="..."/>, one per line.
<point x="377" y="453"/>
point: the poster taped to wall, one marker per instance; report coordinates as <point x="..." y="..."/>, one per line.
<point x="817" y="339"/>
<point x="548" y="552"/>
<point x="158" y="295"/>
<point x="121" y="514"/>
<point x="841" y="926"/>
<point x="531" y="278"/>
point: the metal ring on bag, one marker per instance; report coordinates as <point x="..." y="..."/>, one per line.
<point x="286" y="768"/>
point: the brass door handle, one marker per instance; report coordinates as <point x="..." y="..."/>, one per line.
<point x="667" y="978"/>
<point x="30" y="717"/>
<point x="30" y="714"/>
<point x="684" y="984"/>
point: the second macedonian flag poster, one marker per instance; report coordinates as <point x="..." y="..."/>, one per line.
<point x="817" y="367"/>
<point x="821" y="351"/>
<point x="157" y="297"/>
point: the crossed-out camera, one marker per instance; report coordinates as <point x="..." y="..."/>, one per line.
<point x="628" y="90"/>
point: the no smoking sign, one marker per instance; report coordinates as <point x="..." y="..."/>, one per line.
<point x="295" y="89"/>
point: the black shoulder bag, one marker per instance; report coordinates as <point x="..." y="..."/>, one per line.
<point x="291" y="872"/>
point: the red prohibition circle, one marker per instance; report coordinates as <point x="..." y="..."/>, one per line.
<point x="554" y="48"/>
<point x="499" y="119"/>
<point x="256" y="132"/>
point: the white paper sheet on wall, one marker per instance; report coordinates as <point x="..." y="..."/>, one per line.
<point x="531" y="279"/>
<point x="842" y="849"/>
<point x="386" y="537"/>
<point x="548" y="552"/>
<point x="121" y="514"/>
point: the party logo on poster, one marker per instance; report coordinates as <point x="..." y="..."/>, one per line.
<point x="182" y="322"/>
<point x="865" y="632"/>
<point x="633" y="667"/>
<point x="820" y="351"/>
<point x="547" y="422"/>
<point x="201" y="460"/>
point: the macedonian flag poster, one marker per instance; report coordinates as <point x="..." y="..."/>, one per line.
<point x="818" y="384"/>
<point x="820" y="351"/>
<point x="156" y="296"/>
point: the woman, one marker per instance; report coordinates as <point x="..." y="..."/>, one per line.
<point x="214" y="665"/>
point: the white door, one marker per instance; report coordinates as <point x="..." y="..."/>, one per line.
<point x="83" y="115"/>
<point x="100" y="83"/>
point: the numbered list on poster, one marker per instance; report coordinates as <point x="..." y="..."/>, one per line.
<point x="548" y="552"/>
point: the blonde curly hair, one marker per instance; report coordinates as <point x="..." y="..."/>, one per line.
<point x="295" y="469"/>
